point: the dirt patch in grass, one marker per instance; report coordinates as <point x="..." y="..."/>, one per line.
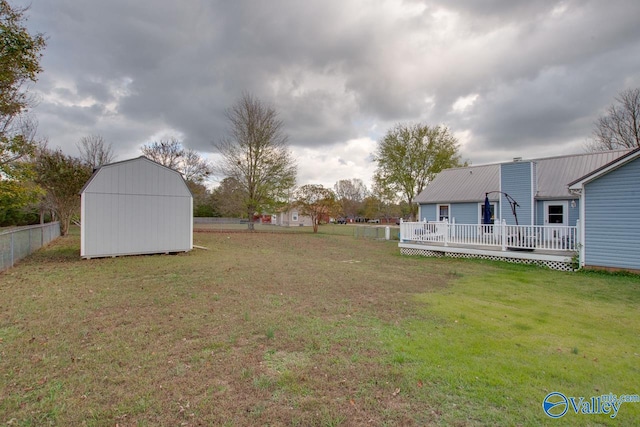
<point x="262" y="328"/>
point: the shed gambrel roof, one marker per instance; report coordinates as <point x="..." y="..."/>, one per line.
<point x="470" y="184"/>
<point x="156" y="187"/>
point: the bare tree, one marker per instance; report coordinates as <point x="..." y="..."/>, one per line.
<point x="620" y="127"/>
<point x="350" y="193"/>
<point x="193" y="167"/>
<point x="167" y="152"/>
<point x="171" y="153"/>
<point x="95" y="151"/>
<point x="256" y="155"/>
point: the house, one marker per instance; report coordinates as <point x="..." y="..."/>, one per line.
<point x="536" y="208"/>
<point x="133" y="207"/>
<point x="291" y="217"/>
<point x="539" y="186"/>
<point x="610" y="208"/>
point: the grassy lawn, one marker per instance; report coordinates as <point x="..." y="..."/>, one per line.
<point x="300" y="329"/>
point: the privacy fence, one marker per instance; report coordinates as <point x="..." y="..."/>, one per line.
<point x="17" y="243"/>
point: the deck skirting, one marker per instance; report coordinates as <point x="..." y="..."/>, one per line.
<point x="562" y="262"/>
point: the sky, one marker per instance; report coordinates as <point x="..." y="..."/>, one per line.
<point x="509" y="78"/>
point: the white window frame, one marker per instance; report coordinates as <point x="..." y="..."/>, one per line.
<point x="438" y="218"/>
<point x="565" y="211"/>
<point x="294" y="216"/>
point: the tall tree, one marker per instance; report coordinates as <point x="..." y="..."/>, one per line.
<point x="20" y="54"/>
<point x="95" y="151"/>
<point x="256" y="155"/>
<point x="315" y="201"/>
<point x="619" y="128"/>
<point x="350" y="194"/>
<point x="171" y="153"/>
<point x="62" y="177"/>
<point x="409" y="156"/>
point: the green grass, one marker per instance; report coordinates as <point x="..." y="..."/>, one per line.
<point x="311" y="330"/>
<point x="492" y="346"/>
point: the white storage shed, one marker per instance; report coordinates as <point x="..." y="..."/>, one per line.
<point x="135" y="207"/>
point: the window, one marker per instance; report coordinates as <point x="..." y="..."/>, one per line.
<point x="294" y="216"/>
<point x="556" y="214"/>
<point x="443" y="212"/>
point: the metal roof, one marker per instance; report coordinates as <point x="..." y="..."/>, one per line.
<point x="462" y="185"/>
<point x="470" y="184"/>
<point x="555" y="173"/>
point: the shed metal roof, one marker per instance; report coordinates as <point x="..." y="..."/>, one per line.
<point x="470" y="184"/>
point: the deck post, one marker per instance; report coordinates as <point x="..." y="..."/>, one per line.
<point x="503" y="235"/>
<point x="446" y="232"/>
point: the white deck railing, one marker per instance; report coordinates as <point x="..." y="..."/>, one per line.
<point x="523" y="237"/>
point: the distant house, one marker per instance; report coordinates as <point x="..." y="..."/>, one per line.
<point x="291" y="217"/>
<point x="610" y="208"/>
<point x="135" y="207"/>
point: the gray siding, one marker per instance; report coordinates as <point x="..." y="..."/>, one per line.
<point x="612" y="210"/>
<point x="515" y="180"/>
<point x="136" y="207"/>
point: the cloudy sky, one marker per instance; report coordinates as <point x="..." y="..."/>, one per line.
<point x="509" y="78"/>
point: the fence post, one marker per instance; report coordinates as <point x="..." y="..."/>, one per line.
<point x="12" y="249"/>
<point x="503" y="235"/>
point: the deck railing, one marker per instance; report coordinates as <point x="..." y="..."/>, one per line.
<point x="522" y="237"/>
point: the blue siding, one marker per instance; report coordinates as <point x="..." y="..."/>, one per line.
<point x="574" y="213"/>
<point x="427" y="211"/>
<point x="515" y="180"/>
<point x="539" y="212"/>
<point x="465" y="213"/>
<point x="612" y="210"/>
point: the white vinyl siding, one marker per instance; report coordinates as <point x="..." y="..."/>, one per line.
<point x="135" y="207"/>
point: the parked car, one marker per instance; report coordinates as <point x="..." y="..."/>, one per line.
<point x="341" y="221"/>
<point x="374" y="221"/>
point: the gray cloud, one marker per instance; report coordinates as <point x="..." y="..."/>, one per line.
<point x="337" y="71"/>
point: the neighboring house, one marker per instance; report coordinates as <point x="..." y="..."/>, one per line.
<point x="610" y="208"/>
<point x="539" y="186"/>
<point x="135" y="207"/>
<point x="291" y="217"/>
